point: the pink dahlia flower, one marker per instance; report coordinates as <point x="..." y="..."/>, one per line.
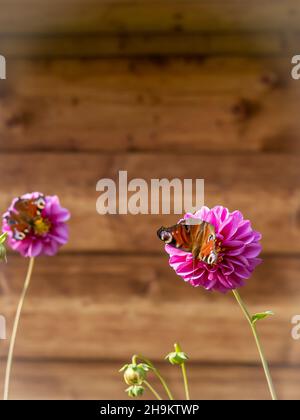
<point x="238" y="257"/>
<point x="36" y="225"/>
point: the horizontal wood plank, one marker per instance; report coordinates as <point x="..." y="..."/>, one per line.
<point x="101" y="381"/>
<point x="141" y="16"/>
<point x="81" y="102"/>
<point x="213" y="105"/>
<point x="147" y="45"/>
<point x="105" y="307"/>
<point x="253" y="184"/>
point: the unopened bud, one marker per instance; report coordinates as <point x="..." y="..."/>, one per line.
<point x="135" y="374"/>
<point x="177" y="357"/>
<point x="135" y="391"/>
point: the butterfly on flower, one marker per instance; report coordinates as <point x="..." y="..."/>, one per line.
<point x="26" y="218"/>
<point x="194" y="236"/>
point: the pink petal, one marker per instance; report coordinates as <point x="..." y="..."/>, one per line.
<point x="252" y="251"/>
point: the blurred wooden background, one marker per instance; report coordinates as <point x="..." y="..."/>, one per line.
<point x="162" y="88"/>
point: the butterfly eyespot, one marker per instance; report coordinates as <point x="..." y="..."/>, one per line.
<point x="212" y="258"/>
<point x="40" y="203"/>
<point x="166" y="237"/>
<point x="211" y="238"/>
<point x="19" y="236"/>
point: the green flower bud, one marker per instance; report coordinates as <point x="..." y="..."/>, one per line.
<point x="135" y="391"/>
<point x="135" y="374"/>
<point x="177" y="357"/>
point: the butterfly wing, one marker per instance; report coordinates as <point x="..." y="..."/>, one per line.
<point x="25" y="212"/>
<point x="192" y="235"/>
<point x="186" y="236"/>
<point x="208" y="252"/>
<point x="18" y="225"/>
<point x="177" y="236"/>
<point x="30" y="208"/>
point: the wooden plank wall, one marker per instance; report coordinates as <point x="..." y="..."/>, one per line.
<point x="167" y="88"/>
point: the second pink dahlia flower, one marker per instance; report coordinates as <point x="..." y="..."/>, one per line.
<point x="36" y="225"/>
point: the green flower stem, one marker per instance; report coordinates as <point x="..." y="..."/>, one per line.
<point x="156" y="394"/>
<point x="257" y="341"/>
<point x="135" y="358"/>
<point x="15" y="329"/>
<point x="185" y="379"/>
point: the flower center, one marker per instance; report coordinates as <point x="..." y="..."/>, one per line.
<point x="219" y="249"/>
<point x="41" y="226"/>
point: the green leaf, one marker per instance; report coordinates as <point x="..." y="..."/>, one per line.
<point x="123" y="368"/>
<point x="144" y="366"/>
<point x="261" y="315"/>
<point x="3" y="238"/>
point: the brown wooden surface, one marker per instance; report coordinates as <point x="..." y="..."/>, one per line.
<point x="144" y="45"/>
<point x="80" y="306"/>
<point x="167" y="88"/>
<point x="232" y="180"/>
<point x="215" y="105"/>
<point x="87" y="16"/>
<point x="98" y="380"/>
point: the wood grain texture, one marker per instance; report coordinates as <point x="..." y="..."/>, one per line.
<point x="231" y="180"/>
<point x="167" y="88"/>
<point x="106" y="307"/>
<point x="99" y="381"/>
<point x="178" y="105"/>
<point x="77" y="16"/>
<point x="255" y="44"/>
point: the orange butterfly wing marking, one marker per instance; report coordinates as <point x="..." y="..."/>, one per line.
<point x="199" y="239"/>
<point x="182" y="236"/>
<point x="17" y="222"/>
<point x="208" y="245"/>
<point x="27" y="209"/>
<point x="26" y="212"/>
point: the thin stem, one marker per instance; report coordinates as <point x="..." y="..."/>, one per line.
<point x="186" y="386"/>
<point x="156" y="394"/>
<point x="184" y="374"/>
<point x="155" y="371"/>
<point x="164" y="384"/>
<point x="258" y="344"/>
<point x="15" y="329"/>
